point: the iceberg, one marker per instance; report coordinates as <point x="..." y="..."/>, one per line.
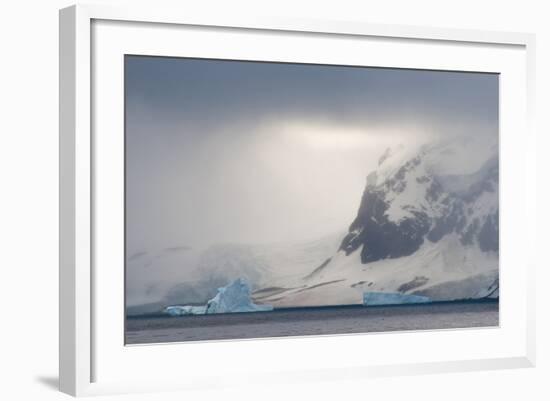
<point x="179" y="310"/>
<point x="392" y="298"/>
<point x="235" y="297"/>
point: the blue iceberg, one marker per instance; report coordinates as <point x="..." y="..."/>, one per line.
<point x="179" y="310"/>
<point x="392" y="298"/>
<point x="234" y="297"/>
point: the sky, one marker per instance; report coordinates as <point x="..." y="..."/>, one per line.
<point x="255" y="152"/>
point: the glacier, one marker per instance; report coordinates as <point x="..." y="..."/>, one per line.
<point x="233" y="298"/>
<point x="392" y="298"/>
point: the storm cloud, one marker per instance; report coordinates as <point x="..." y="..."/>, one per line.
<point x="255" y="152"/>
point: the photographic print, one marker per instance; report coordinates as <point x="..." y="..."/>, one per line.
<point x="268" y="199"/>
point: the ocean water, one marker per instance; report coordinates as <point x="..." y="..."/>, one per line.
<point x="312" y="321"/>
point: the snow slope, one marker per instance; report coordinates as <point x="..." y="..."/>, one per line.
<point x="442" y="271"/>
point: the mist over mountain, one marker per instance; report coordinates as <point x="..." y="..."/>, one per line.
<point x="427" y="224"/>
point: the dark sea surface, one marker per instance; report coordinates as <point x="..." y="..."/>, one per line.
<point x="311" y="321"/>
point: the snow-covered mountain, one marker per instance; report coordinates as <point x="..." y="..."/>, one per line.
<point x="427" y="225"/>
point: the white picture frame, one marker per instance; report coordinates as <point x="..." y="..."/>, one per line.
<point x="82" y="344"/>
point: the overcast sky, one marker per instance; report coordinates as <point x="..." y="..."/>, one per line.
<point x="248" y="152"/>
